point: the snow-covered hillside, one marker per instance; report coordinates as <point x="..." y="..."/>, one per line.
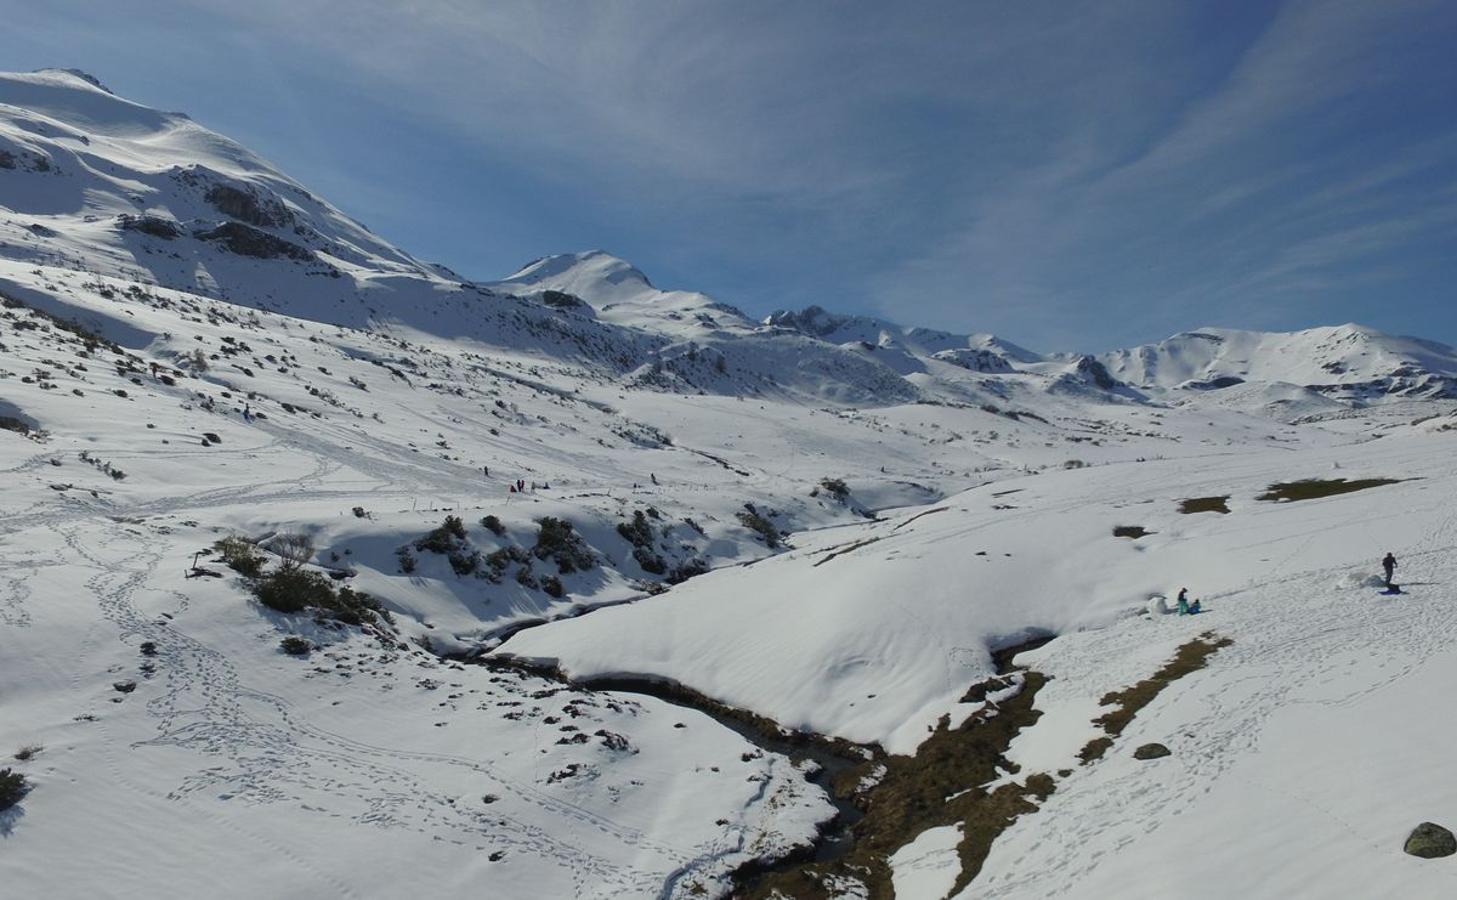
<point x="276" y="620"/>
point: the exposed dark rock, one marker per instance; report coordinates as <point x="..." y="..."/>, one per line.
<point x="1430" y="841"/>
<point x="248" y="206"/>
<point x="156" y="226"/>
<point x="561" y="300"/>
<point x="1151" y="751"/>
<point x="245" y="240"/>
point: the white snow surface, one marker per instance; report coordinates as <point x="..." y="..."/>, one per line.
<point x="981" y="487"/>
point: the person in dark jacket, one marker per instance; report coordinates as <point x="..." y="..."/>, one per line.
<point x="1389" y="564"/>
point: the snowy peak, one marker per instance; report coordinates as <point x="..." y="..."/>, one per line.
<point x="594" y="277"/>
<point x="1348" y="361"/>
<point x="623" y="295"/>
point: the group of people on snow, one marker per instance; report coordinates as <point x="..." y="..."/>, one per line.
<point x="1186" y="607"/>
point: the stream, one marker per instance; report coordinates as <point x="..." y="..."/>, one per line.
<point x="831" y="757"/>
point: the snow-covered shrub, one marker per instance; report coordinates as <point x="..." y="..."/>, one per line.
<point x="553" y="586"/>
<point x="294" y="645"/>
<point x="493" y="525"/>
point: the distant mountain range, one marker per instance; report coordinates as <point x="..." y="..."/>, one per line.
<point x="94" y="182"/>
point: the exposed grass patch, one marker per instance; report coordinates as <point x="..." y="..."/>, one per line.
<point x="1205" y="504"/>
<point x="1190" y="657"/>
<point x="1313" y="488"/>
<point x="1130" y="531"/>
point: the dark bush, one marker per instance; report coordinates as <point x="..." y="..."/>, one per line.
<point x="493" y="525"/>
<point x="293" y="590"/>
<point x="355" y="608"/>
<point x="553" y="586"/>
<point x="837" y="487"/>
<point x="294" y="645"/>
<point x="684" y="571"/>
<point x="240" y="556"/>
<point x="445" y="539"/>
<point x="464" y="562"/>
<point x="407" y="560"/>
<point x="650" y="561"/>
<point x="502" y="558"/>
<point x="750" y="518"/>
<point x="13" y="788"/>
<point x="638" y="532"/>
<point x="558" y="542"/>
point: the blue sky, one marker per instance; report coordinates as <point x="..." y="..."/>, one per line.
<point x="1072" y="175"/>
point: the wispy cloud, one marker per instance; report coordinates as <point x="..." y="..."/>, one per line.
<point x="1072" y="173"/>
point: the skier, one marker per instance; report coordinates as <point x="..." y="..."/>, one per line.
<point x="1389" y="564"/>
<point x="653" y="477"/>
<point x="1183" y="601"/>
<point x="247" y="413"/>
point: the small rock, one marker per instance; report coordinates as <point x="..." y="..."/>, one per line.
<point x="125" y="687"/>
<point x="1430" y="841"/>
<point x="1151" y="751"/>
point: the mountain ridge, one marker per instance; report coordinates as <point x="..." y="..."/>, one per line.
<point x="100" y="182"/>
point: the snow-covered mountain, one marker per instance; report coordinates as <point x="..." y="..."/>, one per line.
<point x="1346" y="362"/>
<point x="93" y="181"/>
<point x="326" y="572"/>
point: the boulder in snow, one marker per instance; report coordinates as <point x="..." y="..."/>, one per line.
<point x="1430" y="841"/>
<point x="1151" y="751"/>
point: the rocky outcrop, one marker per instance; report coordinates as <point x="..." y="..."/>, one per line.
<point x="245" y="240"/>
<point x="249" y="206"/>
<point x="156" y="226"/>
<point x="1151" y="751"/>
